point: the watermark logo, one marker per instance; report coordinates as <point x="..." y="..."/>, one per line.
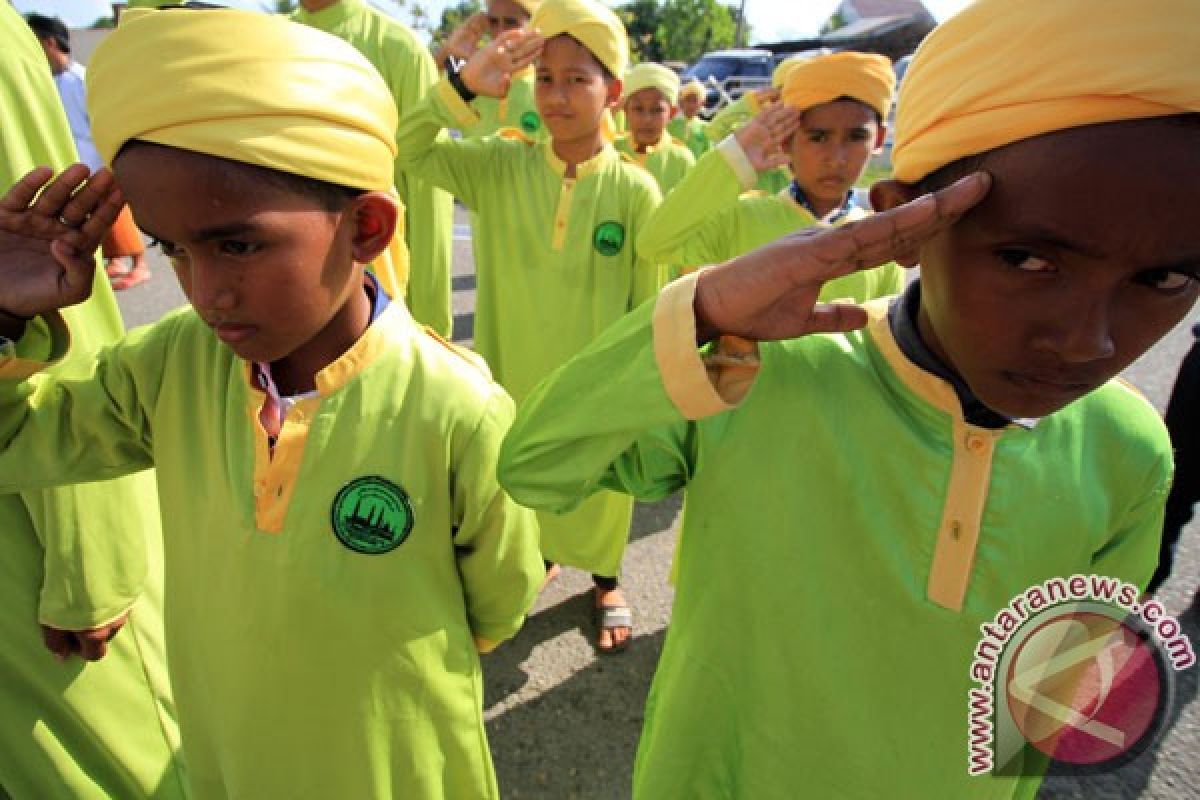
<point x="1076" y="669"/>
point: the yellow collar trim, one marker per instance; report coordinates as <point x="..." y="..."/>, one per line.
<point x="582" y="170"/>
<point x="925" y="385"/>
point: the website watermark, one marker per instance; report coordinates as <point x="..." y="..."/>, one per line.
<point x="1078" y="669"/>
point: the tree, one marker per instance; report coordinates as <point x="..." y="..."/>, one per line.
<point x="643" y="21"/>
<point x="103" y="22"/>
<point x="280" y="6"/>
<point x="691" y="28"/>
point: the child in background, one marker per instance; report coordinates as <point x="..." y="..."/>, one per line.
<point x="555" y="261"/>
<point x="827" y="125"/>
<point x="428" y="213"/>
<point x="124" y="240"/>
<point x="85" y="561"/>
<point x="337" y="549"/>
<point x="687" y="126"/>
<point x="517" y="110"/>
<point x="868" y="486"/>
<point x="651" y="91"/>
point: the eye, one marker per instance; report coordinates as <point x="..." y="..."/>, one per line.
<point x="816" y="137"/>
<point x="859" y="136"/>
<point x="1024" y="260"/>
<point x="234" y="247"/>
<point x="1165" y="280"/>
<point x="168" y="249"/>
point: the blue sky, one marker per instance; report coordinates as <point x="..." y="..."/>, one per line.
<point x="771" y="20"/>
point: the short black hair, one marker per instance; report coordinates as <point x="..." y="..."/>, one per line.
<point x="50" y="28"/>
<point x="329" y="196"/>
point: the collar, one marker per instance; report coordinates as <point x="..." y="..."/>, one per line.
<point x="338" y="12"/>
<point x="582" y="170"/>
<point x="833" y="217"/>
<point x="910" y="349"/>
<point x="388" y="320"/>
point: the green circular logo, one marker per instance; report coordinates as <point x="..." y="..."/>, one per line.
<point x="530" y="122"/>
<point x="372" y="515"/>
<point x="609" y="238"/>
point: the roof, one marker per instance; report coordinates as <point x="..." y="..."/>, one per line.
<point x="867" y="9"/>
<point x="867" y="27"/>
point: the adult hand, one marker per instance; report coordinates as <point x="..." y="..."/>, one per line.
<point x="90" y="644"/>
<point x="771" y="293"/>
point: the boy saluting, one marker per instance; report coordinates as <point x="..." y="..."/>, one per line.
<point x="336" y="546"/>
<point x="557" y="221"/>
<point x="870" y="485"/>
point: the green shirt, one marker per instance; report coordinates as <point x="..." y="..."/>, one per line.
<point x="555" y="265"/>
<point x="76" y="557"/>
<point x="825" y="619"/>
<point x="517" y="111"/>
<point x="692" y="132"/>
<point x="408" y="69"/>
<point x="709" y="220"/>
<point x="322" y="598"/>
<point x="668" y="161"/>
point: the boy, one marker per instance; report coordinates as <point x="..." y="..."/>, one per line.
<point x="123" y="240"/>
<point x="889" y="482"/>
<point x="687" y="126"/>
<point x="337" y="545"/>
<point x="555" y="261"/>
<point x="651" y="92"/>
<point x="85" y="561"/>
<point x="409" y="71"/>
<point x="516" y="111"/>
<point x="829" y="122"/>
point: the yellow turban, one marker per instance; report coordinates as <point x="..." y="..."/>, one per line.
<point x="591" y="24"/>
<point x="866" y="77"/>
<point x="1006" y="70"/>
<point x="693" y="87"/>
<point x="652" y="76"/>
<point x="784" y="67"/>
<point x="253" y="88"/>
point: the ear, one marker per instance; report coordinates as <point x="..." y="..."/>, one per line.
<point x="889" y="194"/>
<point x="613" y="97"/>
<point x="374" y="216"/>
<point x="880" y="137"/>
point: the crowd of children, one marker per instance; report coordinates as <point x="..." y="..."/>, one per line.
<point x="350" y="510"/>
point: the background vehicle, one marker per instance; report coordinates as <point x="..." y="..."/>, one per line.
<point x="728" y="74"/>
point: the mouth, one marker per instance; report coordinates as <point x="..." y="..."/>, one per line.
<point x="231" y="333"/>
<point x="1054" y="385"/>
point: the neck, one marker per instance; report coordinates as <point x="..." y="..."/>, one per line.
<point x="296" y="373"/>
<point x="59" y="63"/>
<point x="313" y="6"/>
<point x="642" y="147"/>
<point x="822" y="208"/>
<point x="576" y="151"/>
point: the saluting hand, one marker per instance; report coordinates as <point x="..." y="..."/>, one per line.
<point x="762" y="138"/>
<point x="489" y="72"/>
<point x="464" y="41"/>
<point x="49" y="232"/>
<point x="771" y="293"/>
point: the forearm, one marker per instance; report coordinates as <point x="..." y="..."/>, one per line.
<point x="424" y="150"/>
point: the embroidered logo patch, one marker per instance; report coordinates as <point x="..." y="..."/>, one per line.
<point x="609" y="238"/>
<point x="530" y="122"/>
<point x="372" y="515"/>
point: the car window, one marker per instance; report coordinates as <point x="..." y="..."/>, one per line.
<point x="719" y="68"/>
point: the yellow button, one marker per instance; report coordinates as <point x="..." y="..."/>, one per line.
<point x="975" y="443"/>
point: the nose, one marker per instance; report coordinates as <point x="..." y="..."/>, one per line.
<point x="210" y="291"/>
<point x="1081" y="334"/>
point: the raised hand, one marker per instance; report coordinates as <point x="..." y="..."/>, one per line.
<point x="464" y="41"/>
<point x="489" y="72"/>
<point x="762" y="138"/>
<point x="49" y="232"/>
<point x="771" y="293"/>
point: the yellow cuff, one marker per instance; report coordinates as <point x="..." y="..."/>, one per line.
<point x="683" y="373"/>
<point x="463" y="115"/>
<point x="738" y="161"/>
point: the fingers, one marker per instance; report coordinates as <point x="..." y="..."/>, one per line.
<point x="23" y="191"/>
<point x="526" y="47"/>
<point x="886" y="236"/>
<point x="57" y="642"/>
<point x="836" y="318"/>
<point x="90" y="645"/>
<point x="57" y="194"/>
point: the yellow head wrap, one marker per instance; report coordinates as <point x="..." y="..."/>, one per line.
<point x="591" y="24"/>
<point x="652" y="76"/>
<point x="866" y="77"/>
<point x="1006" y="70"/>
<point x="253" y="88"/>
<point x="693" y="87"/>
<point x="784" y="67"/>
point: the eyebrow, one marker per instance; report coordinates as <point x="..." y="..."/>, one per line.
<point x="1035" y="231"/>
<point x="212" y="232"/>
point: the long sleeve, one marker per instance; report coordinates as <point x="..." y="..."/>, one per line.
<point x="690" y="227"/>
<point x="457" y="165"/>
<point x="732" y="117"/>
<point x="56" y="431"/>
<point x="496" y="539"/>
<point x="1131" y="553"/>
<point x="617" y="415"/>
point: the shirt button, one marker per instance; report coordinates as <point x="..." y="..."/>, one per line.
<point x="975" y="443"/>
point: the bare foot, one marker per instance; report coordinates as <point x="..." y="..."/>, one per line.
<point x="552" y="572"/>
<point x="614" y="620"/>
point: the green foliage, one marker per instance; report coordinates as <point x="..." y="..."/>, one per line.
<point x="280" y="6"/>
<point x="103" y="22"/>
<point x="678" y="30"/>
<point x="454" y="16"/>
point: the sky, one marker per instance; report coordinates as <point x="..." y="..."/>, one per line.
<point x="770" y="20"/>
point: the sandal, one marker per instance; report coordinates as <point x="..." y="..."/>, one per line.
<point x="115" y="268"/>
<point x="611" y="617"/>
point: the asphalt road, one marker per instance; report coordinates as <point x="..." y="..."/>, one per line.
<point x="563" y="722"/>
